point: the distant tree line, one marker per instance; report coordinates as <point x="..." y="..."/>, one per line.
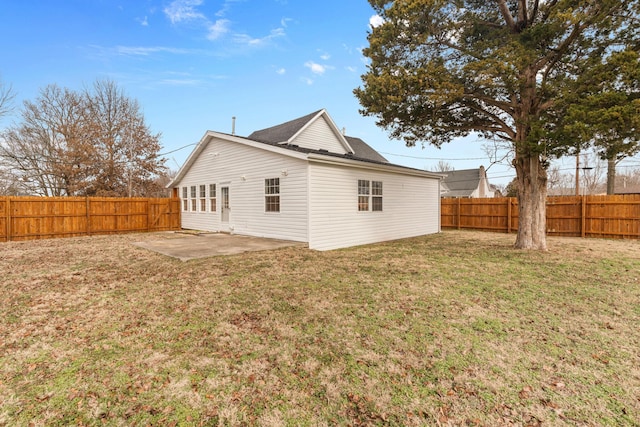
<point x="93" y="142"/>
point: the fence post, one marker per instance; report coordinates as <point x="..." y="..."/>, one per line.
<point x="88" y="214"/>
<point x="8" y="219"/>
<point x="508" y="215"/>
<point x="583" y="219"/>
<point x="458" y="213"/>
<point x="148" y="215"/>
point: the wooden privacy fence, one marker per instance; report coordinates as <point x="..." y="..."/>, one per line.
<point x="582" y="216"/>
<point x="29" y="218"/>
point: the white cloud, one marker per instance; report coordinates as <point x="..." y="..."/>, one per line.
<point x="180" y="82"/>
<point x="146" y="51"/>
<point x="143" y="21"/>
<point x="285" y="21"/>
<point x="325" y="56"/>
<point x="183" y="10"/>
<point x="219" y="28"/>
<point x="281" y="71"/>
<point x="307" y="80"/>
<point x="247" y="40"/>
<point x="179" y="11"/>
<point x="376" y="21"/>
<point x="352" y="69"/>
<point x="316" y="68"/>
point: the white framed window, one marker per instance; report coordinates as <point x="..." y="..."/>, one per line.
<point x="212" y="198"/>
<point x="376" y="196"/>
<point x="203" y="198"/>
<point x="193" y="199"/>
<point x="272" y="195"/>
<point x="363" y="195"/>
<point x="185" y="199"/>
<point x="369" y="196"/>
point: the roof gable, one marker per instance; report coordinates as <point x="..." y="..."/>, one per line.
<point x="315" y="131"/>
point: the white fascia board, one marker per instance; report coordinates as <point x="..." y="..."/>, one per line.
<point x="358" y="164"/>
<point x="209" y="135"/>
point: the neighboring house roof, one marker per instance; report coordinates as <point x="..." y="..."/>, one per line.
<point x="464" y="182"/>
<point x="282" y="139"/>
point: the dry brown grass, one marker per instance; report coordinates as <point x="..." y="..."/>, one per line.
<point x="449" y="329"/>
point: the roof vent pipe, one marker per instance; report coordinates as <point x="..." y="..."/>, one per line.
<point x="233" y="125"/>
<point x="344" y="131"/>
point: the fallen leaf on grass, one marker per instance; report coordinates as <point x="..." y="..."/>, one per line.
<point x="524" y="393"/>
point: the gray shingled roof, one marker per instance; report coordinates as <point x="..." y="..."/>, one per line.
<point x="364" y="150"/>
<point x="283" y="132"/>
<point x="461" y="183"/>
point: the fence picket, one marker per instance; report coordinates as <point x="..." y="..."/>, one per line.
<point x="580" y="216"/>
<point x="28" y="218"/>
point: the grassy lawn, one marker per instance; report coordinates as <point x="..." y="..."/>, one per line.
<point x="450" y="329"/>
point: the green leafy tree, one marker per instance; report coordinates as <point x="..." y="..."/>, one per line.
<point x="442" y="69"/>
<point x="605" y="111"/>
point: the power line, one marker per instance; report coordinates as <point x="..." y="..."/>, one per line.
<point x="432" y="158"/>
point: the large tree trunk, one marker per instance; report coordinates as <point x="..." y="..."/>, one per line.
<point x="611" y="176"/>
<point x="532" y="198"/>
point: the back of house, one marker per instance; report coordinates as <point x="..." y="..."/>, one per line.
<point x="303" y="180"/>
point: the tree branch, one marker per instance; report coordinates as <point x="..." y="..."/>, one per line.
<point x="522" y="13"/>
<point x="506" y="14"/>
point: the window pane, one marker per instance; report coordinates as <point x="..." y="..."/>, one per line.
<point x="363" y="187"/>
<point x="193" y="204"/>
<point x="203" y="191"/>
<point x="376" y="188"/>
<point x="213" y="205"/>
<point x="212" y="190"/>
<point x="272" y="195"/>
<point x="203" y="205"/>
<point x="272" y="186"/>
<point x="363" y="203"/>
<point x="272" y="203"/>
<point x="376" y="204"/>
<point x="185" y="204"/>
<point x="193" y="192"/>
<point x="184" y="192"/>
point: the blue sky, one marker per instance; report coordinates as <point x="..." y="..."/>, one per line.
<point x="193" y="64"/>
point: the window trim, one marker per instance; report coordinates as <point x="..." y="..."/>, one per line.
<point x="185" y="199"/>
<point x="194" y="203"/>
<point x="213" y="200"/>
<point x="376" y="197"/>
<point x="202" y="189"/>
<point x="370" y="196"/>
<point x="272" y="195"/>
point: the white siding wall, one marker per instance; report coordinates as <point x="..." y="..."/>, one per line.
<point x="319" y="135"/>
<point x="411" y="207"/>
<point x="224" y="163"/>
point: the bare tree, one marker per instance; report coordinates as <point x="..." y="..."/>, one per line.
<point x="593" y="172"/>
<point x="127" y="150"/>
<point x="48" y="150"/>
<point x="94" y="142"/>
<point x="559" y="184"/>
<point x="7" y="96"/>
<point x="443" y="166"/>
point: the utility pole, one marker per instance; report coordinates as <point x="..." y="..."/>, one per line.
<point x="578" y="173"/>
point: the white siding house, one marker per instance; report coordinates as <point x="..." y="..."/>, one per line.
<point x="304" y="181"/>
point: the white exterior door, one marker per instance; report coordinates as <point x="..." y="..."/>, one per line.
<point x="224" y="212"/>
